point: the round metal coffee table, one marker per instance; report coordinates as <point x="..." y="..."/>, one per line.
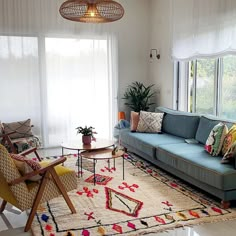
<point x="103" y="154"/>
<point x="79" y="146"/>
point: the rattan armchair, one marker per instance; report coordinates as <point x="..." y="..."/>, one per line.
<point x="14" y="189"/>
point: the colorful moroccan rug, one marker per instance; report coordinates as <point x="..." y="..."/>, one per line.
<point x="147" y="200"/>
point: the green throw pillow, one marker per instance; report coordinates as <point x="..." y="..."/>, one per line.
<point x="216" y="138"/>
<point x="230" y="154"/>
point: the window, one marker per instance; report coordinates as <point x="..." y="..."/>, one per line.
<point x="60" y="83"/>
<point x="208" y="86"/>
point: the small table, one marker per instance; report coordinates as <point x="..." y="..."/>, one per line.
<point x="79" y="146"/>
<point x="102" y="154"/>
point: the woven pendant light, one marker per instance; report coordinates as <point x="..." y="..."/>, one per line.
<point x="91" y="11"/>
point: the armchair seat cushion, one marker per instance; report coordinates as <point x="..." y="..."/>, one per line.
<point x="60" y="170"/>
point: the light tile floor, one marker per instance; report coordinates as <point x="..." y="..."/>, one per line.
<point x="12" y="221"/>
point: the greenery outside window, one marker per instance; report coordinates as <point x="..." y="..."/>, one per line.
<point x="208" y="86"/>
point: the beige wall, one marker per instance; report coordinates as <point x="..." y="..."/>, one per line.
<point x="161" y="71"/>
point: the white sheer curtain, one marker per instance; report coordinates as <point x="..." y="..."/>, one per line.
<point x="203" y="28"/>
<point x="19" y="80"/>
<point x="59" y="73"/>
<point x="78" y="87"/>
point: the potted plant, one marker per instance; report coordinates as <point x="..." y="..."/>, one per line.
<point x="138" y="96"/>
<point x="87" y="134"/>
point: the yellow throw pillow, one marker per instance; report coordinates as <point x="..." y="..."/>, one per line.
<point x="229" y="139"/>
<point x="230" y="154"/>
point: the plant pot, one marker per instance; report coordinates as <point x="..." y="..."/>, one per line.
<point x="86" y="139"/>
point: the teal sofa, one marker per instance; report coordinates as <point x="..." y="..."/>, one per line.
<point x="190" y="162"/>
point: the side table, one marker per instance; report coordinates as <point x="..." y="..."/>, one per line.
<point x="102" y="154"/>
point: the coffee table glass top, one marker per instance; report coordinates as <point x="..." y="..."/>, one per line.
<point x="78" y="145"/>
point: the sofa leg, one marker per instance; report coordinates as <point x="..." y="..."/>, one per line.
<point x="225" y="204"/>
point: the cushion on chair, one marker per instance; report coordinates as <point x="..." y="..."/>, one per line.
<point x="25" y="165"/>
<point x="22" y="128"/>
<point x="10" y="173"/>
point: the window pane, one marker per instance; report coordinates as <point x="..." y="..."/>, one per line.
<point x="205" y="86"/>
<point x="228" y="99"/>
<point x="190" y="87"/>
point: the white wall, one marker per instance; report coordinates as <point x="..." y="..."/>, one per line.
<point x="133" y="31"/>
<point x="161" y="71"/>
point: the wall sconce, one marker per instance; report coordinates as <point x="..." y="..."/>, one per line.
<point x="154" y="53"/>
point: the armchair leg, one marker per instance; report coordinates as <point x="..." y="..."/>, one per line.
<point x="36" y="201"/>
<point x="62" y="190"/>
<point x="4" y="203"/>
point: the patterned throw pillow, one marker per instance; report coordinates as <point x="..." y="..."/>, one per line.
<point x="229" y="139"/>
<point x="230" y="154"/>
<point x="150" y="122"/>
<point x="22" y="128"/>
<point x="216" y="138"/>
<point x="134" y="119"/>
<point x="25" y="165"/>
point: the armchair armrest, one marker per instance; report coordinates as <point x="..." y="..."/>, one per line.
<point x="40" y="171"/>
<point x="30" y="150"/>
<point x="6" y="138"/>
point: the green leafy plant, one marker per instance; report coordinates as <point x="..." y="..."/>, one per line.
<point x="138" y="96"/>
<point x="87" y="131"/>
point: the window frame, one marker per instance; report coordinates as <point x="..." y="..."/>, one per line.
<point x="182" y="76"/>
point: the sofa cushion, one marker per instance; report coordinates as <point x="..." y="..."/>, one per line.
<point x="147" y="142"/>
<point x="192" y="160"/>
<point x="150" y="122"/>
<point x="216" y="138"/>
<point x="205" y="126"/>
<point x="182" y="124"/>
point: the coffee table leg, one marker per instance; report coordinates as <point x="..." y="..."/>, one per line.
<point x="78" y="163"/>
<point x="94" y="172"/>
<point x="62" y="153"/>
<point x="123" y="167"/>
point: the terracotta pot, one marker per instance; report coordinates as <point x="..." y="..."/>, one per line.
<point x="86" y="139"/>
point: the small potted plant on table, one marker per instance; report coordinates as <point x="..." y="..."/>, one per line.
<point x="87" y="134"/>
